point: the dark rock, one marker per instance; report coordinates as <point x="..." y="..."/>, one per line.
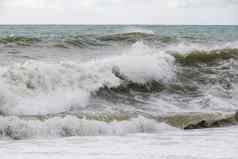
<point x="202" y="120"/>
<point x="236" y="116"/>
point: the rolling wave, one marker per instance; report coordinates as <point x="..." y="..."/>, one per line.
<point x="19" y="40"/>
<point x="88" y="41"/>
<point x="207" y="56"/>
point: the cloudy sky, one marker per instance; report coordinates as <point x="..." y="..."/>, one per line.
<point x="202" y="12"/>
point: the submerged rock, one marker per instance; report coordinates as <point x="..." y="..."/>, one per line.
<point x="201" y="120"/>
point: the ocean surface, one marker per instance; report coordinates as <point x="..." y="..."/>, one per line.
<point x="102" y="92"/>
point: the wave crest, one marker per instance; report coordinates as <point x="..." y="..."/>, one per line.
<point x="207" y="56"/>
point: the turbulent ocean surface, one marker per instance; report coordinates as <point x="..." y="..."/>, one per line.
<point x="118" y="92"/>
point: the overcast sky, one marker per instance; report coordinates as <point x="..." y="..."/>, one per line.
<point x="201" y="12"/>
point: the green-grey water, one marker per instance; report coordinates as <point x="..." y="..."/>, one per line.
<point x="167" y="92"/>
<point x="99" y="75"/>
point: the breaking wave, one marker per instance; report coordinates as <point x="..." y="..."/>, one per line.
<point x="35" y="87"/>
<point x="17" y="128"/>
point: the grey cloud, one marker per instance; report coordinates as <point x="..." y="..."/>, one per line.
<point x="119" y="11"/>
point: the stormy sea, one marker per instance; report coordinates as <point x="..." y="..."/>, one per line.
<point x="118" y="92"/>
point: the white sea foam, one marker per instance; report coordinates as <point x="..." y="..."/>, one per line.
<point x="18" y="128"/>
<point x="219" y="143"/>
<point x="187" y="47"/>
<point x="136" y="30"/>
